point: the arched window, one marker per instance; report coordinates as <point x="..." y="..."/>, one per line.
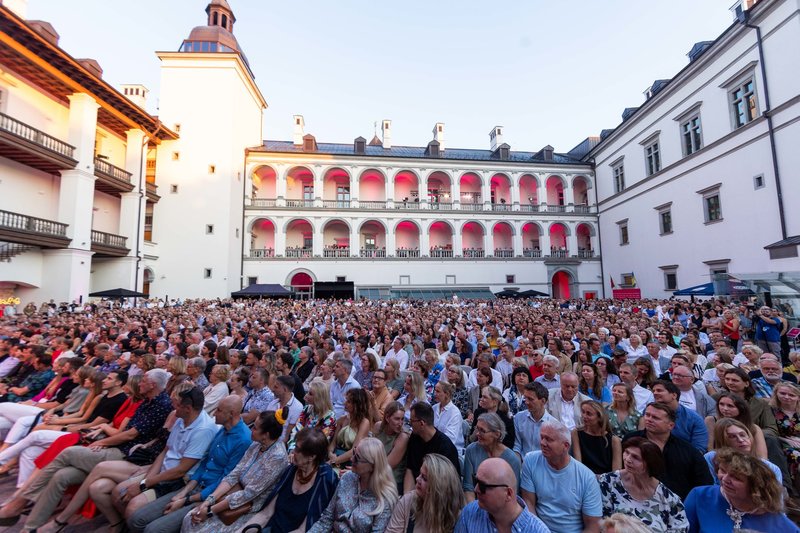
<point x="225" y="21"/>
<point x="214" y="19"/>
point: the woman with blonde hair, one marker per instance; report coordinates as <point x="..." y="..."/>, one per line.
<point x="622" y="414"/>
<point x="366" y="495"/>
<point x="318" y="413"/>
<point x="594" y="445"/>
<point x="413" y="391"/>
<point x="785" y="403"/>
<point x="177" y="369"/>
<point x="217" y="388"/>
<point x="730" y="433"/>
<point x="435" y="503"/>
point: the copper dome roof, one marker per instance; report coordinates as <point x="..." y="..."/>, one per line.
<point x="216" y="34"/>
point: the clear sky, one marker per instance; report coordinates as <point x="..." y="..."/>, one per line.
<point x="549" y="72"/>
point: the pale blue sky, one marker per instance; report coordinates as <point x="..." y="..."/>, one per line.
<point x="549" y="72"/>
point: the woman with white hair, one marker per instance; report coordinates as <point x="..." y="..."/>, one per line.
<point x="366" y="495"/>
<point x="490" y="430"/>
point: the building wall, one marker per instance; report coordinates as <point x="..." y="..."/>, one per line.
<point x="730" y="157"/>
<point x="106" y="213"/>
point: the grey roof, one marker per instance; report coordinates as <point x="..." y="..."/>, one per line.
<point x="415" y="152"/>
<point x="788" y="241"/>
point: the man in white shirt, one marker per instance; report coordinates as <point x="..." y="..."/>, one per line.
<point x="398" y="353"/>
<point x="564" y="403"/>
<point x="643" y="397"/>
<point x="665" y="351"/>
<point x="485" y="360"/>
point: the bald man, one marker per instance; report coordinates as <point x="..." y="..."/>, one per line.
<point x="497" y="508"/>
<point x="166" y="512"/>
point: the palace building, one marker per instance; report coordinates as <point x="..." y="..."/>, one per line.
<point x="95" y="193"/>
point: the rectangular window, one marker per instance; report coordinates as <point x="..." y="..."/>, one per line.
<point x="743" y="103"/>
<point x="449" y="279"/>
<point x="652" y="156"/>
<point x="212" y="169"/>
<point x="207" y="273"/>
<point x="665" y="221"/>
<point x="176" y="156"/>
<point x="341" y="279"/>
<point x="511" y="278"/>
<point x="252" y="280"/>
<point x="308" y="192"/>
<point x="758" y="181"/>
<point x="405" y="280"/>
<point x="342" y="197"/>
<point x="692" y="135"/>
<point x="618" y="172"/>
<point x="209" y="229"/>
<point x="713" y="207"/>
<point x="370" y="242"/>
<point x="623" y="234"/>
<point x="670" y="281"/>
<point x="173" y="189"/>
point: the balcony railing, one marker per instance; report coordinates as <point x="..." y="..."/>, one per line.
<point x="263" y="202"/>
<point x="585" y="254"/>
<point x="531" y="252"/>
<point x="299" y="203"/>
<point x="471" y="206"/>
<point x="441" y="206"/>
<point x="440" y="253"/>
<point x="473" y="253"/>
<point x="370" y="204"/>
<point x="580" y="208"/>
<point x="37" y="137"/>
<point x="406" y="204"/>
<point x="337" y="204"/>
<point x="504" y="253"/>
<point x="557" y="208"/>
<point x="104" y="167"/>
<point x="530" y="208"/>
<point x="336" y="252"/>
<point x="262" y="253"/>
<point x="501" y="207"/>
<point x="373" y="252"/>
<point x="559" y="253"/>
<point x="108" y="239"/>
<point x="298" y="252"/>
<point x="404" y="252"/>
<point x="9" y="220"/>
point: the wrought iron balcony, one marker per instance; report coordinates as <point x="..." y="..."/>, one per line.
<point x="35" y="148"/>
<point x="33" y="231"/>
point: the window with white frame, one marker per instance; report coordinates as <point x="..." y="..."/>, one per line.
<point x="618" y="173"/>
<point x="623" y="232"/>
<point x="692" y="135"/>
<point x="743" y="103"/>
<point x="664" y="218"/>
<point x="670" y="277"/>
<point x="652" y="156"/>
<point x="712" y="203"/>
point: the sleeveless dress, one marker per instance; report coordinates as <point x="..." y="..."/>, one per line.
<point x="596" y="452"/>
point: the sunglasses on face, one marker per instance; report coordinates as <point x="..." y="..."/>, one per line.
<point x="357" y="459"/>
<point x="481" y="487"/>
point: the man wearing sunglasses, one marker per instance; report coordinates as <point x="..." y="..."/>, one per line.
<point x="497" y="506"/>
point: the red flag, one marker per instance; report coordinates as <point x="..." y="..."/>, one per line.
<point x="613" y="285"/>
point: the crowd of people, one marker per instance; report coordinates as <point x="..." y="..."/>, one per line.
<point x="401" y="416"/>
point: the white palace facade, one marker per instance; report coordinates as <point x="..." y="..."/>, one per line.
<point x="95" y="193"/>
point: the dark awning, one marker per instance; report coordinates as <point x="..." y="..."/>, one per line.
<point x="706" y="289"/>
<point x="262" y="290"/>
<point x="117" y="293"/>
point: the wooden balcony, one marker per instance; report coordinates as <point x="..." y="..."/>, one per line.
<point x="32" y="231"/>
<point x="111" y="179"/>
<point x="108" y="244"/>
<point x="34" y="148"/>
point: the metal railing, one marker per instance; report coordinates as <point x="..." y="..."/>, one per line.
<point x="298" y="252"/>
<point x="505" y="253"/>
<point x="406" y="253"/>
<point x="108" y="239"/>
<point x="299" y="203"/>
<point x="473" y="253"/>
<point x="373" y="252"/>
<point x="338" y="204"/>
<point x="441" y="206"/>
<point x="371" y="204"/>
<point x="32" y="224"/>
<point x="38" y="137"/>
<point x="531" y="252"/>
<point x="336" y="252"/>
<point x="104" y="167"/>
<point x="263" y="202"/>
<point x="439" y="253"/>
<point x="262" y="253"/>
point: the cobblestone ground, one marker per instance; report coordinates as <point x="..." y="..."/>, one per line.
<point x="81" y="525"/>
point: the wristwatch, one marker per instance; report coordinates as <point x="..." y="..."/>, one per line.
<point x="143" y="485"/>
<point x="210" y="513"/>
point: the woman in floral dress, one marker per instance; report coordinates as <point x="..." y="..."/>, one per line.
<point x="318" y="413"/>
<point x="785" y="404"/>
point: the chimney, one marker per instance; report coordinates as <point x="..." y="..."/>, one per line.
<point x="438" y="135"/>
<point x="19" y="7"/>
<point x="46" y="30"/>
<point x="386" y="130"/>
<point x="92" y="66"/>
<point x="136" y="94"/>
<point x="299" y="130"/>
<point x="495" y="138"/>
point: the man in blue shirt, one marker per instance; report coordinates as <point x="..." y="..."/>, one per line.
<point x="231" y="441"/>
<point x="497" y="506"/>
<point x="528" y="423"/>
<point x="563" y="492"/>
<point x="689" y="426"/>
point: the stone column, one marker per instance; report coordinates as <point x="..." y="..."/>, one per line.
<point x="355" y="244"/>
<point x="516" y="240"/>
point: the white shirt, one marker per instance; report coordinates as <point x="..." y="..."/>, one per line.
<point x="667" y="351"/>
<point x="688" y="400"/>
<point x="401" y="355"/>
<point x="449" y="422"/>
<point x="568" y="413"/>
<point x="295" y="409"/>
<point x="497" y="379"/>
<point x="643" y="397"/>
